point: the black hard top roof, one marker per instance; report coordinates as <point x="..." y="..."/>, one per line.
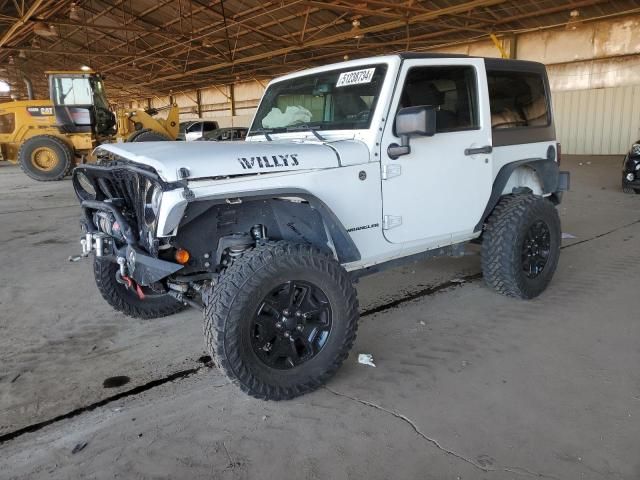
<point x="490" y="62"/>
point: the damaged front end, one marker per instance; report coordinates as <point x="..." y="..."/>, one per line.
<point x="120" y="205"/>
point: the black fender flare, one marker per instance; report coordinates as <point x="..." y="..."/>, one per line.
<point x="546" y="169"/>
<point x="345" y="248"/>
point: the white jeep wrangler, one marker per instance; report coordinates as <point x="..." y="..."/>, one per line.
<point x="346" y="169"/>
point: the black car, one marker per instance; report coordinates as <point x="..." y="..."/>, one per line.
<point x="226" y="134"/>
<point x="631" y="170"/>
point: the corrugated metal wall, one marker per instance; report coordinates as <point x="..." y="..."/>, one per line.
<point x="600" y="121"/>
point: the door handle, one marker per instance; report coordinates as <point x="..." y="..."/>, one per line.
<point x="479" y="150"/>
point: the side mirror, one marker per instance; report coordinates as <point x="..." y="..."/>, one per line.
<point x="411" y="122"/>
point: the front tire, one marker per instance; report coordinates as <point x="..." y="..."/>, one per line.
<point x="521" y="246"/>
<point x="281" y="319"/>
<point x="45" y="158"/>
<point x="126" y="300"/>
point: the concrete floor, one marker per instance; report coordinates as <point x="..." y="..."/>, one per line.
<point x="468" y="384"/>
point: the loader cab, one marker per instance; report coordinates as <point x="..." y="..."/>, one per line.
<point x="80" y="103"/>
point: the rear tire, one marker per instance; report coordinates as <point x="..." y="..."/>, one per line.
<point x="281" y="319"/>
<point x="126" y="300"/>
<point x="521" y="246"/>
<point x="147" y="135"/>
<point x="46" y="158"/>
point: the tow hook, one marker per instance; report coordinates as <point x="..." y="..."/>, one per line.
<point x="127" y="281"/>
<point x="130" y="284"/>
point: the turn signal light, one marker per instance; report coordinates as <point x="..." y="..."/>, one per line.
<point x="182" y="256"/>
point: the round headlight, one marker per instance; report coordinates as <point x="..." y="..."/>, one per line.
<point x="635" y="149"/>
<point x="86" y="185"/>
<point x="156" y="197"/>
<point x="152" y="199"/>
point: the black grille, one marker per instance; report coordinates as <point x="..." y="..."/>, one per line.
<point x="128" y="189"/>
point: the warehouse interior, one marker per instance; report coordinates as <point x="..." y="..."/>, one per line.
<point x="456" y="381"/>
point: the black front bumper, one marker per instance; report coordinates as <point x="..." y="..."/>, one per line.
<point x="119" y="191"/>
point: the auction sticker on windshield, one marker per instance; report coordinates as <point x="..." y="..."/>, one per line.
<point x="356" y="77"/>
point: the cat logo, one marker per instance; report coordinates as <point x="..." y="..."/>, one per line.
<point x="40" y="111"/>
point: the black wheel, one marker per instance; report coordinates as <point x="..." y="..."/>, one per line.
<point x="126" y="300"/>
<point x="521" y="245"/>
<point x="281" y="319"/>
<point x="45" y="158"/>
<point x="147" y="135"/>
<point x="631" y="190"/>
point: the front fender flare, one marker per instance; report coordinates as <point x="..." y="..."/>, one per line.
<point x="345" y="248"/>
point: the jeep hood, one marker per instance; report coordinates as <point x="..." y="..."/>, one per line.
<point x="211" y="159"/>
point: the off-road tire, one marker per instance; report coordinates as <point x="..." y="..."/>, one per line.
<point x="631" y="190"/>
<point x="232" y="302"/>
<point x="62" y="152"/>
<point x="126" y="300"/>
<point x="147" y="135"/>
<point x="503" y="243"/>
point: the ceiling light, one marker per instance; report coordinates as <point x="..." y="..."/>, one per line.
<point x="22" y="54"/>
<point x="574" y="20"/>
<point x="74" y="13"/>
<point x="85" y="68"/>
<point x="355" y="28"/>
<point x="45" y="30"/>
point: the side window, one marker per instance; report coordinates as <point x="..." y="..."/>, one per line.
<point x="209" y="126"/>
<point x="194" y="127"/>
<point x="7" y="123"/>
<point x="517" y="99"/>
<point x="452" y="90"/>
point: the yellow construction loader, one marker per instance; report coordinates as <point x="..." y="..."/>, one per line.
<point x="49" y="137"/>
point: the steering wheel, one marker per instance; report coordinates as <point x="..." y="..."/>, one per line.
<point x="363" y="116"/>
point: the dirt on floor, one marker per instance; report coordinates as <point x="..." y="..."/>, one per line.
<point x="468" y="384"/>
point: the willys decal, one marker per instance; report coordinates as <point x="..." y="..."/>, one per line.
<point x="269" y="161"/>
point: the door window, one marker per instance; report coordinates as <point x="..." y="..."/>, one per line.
<point x="72" y="91"/>
<point x="451" y="90"/>
<point x="209" y="126"/>
<point x="194" y="127"/>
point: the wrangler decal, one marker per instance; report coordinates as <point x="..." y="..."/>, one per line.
<point x="269" y="161"/>
<point x="363" y="227"/>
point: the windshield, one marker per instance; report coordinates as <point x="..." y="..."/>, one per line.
<point x="342" y="99"/>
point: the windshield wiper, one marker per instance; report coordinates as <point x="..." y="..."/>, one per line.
<point x="306" y="127"/>
<point x="265" y="132"/>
